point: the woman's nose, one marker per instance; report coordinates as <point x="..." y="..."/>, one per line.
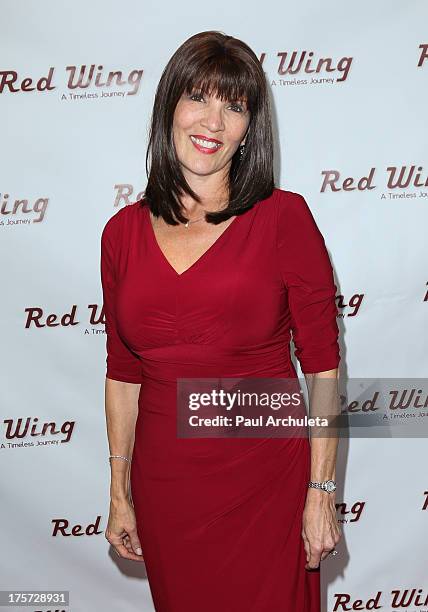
<point x="213" y="119"/>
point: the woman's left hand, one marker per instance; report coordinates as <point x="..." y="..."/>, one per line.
<point x="320" y="531"/>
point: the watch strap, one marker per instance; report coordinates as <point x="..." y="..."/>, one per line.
<point x="327" y="485"/>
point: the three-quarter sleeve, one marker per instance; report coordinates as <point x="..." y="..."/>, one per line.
<point x="121" y="363"/>
<point x="308" y="277"/>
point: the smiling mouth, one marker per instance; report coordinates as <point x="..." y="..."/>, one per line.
<point x="208" y="145"/>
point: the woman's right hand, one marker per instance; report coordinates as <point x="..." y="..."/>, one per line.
<point x="121" y="530"/>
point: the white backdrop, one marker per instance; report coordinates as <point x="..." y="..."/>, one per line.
<point x="73" y="156"/>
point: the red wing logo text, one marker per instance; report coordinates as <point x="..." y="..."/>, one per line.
<point x="74" y="78"/>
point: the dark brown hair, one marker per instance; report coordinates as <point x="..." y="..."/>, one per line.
<point x="211" y="62"/>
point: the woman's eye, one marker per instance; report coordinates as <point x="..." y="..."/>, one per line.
<point x="199" y="97"/>
<point x="195" y="95"/>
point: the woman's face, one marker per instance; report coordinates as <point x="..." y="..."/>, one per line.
<point x="207" y="131"/>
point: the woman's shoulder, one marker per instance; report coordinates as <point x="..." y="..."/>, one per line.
<point x="289" y="201"/>
<point x="292" y="207"/>
<point x="295" y="221"/>
<point x="118" y="222"/>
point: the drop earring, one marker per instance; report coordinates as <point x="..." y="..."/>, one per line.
<point x="241" y="150"/>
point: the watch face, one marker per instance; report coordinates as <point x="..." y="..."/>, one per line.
<point x="330" y="486"/>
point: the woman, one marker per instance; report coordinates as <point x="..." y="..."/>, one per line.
<point x="205" y="277"/>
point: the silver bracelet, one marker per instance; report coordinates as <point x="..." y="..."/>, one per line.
<point x="120" y="457"/>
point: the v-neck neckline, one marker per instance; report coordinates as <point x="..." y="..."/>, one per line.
<point x="198" y="261"/>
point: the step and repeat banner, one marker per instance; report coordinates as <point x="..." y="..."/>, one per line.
<point x="349" y="89"/>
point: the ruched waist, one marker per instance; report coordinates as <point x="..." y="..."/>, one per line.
<point x="186" y="360"/>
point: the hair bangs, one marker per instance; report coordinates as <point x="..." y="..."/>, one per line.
<point x="226" y="79"/>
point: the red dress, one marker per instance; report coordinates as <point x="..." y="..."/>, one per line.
<point x="220" y="519"/>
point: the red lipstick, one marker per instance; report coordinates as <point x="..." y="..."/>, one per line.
<point x="206" y="150"/>
<point x="202" y="137"/>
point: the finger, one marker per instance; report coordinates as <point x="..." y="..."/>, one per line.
<point x="325" y="554"/>
<point x="127" y="543"/>
<point x="313" y="563"/>
<point x="134" y="541"/>
<point x="136" y="546"/>
<point x="125" y="554"/>
<point x="306" y="546"/>
<point x="328" y="546"/>
<point x="309" y="556"/>
<point x="314" y="558"/>
<point x="135" y="549"/>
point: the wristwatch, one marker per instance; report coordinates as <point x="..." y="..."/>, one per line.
<point x="328" y="485"/>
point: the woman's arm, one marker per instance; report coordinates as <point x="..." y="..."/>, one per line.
<point x="324" y="403"/>
<point x="320" y="530"/>
<point x="121" y="409"/>
<point x="307" y="274"/>
<point x="122" y="388"/>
